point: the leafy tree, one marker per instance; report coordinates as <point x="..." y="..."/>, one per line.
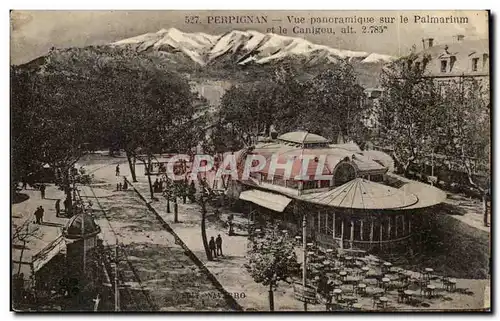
<point x="142" y="106"/>
<point x="466" y="109"/>
<point x="332" y="104"/>
<point x="408" y="117"/>
<point x="25" y="150"/>
<point x="271" y="259"/>
<point x="53" y="122"/>
<point x="329" y="104"/>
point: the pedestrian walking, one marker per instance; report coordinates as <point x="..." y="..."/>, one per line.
<point x="25" y="185"/>
<point x="42" y="211"/>
<point x="39" y="215"/>
<point x="156" y="186"/>
<point x="218" y="243"/>
<point x="211" y="246"/>
<point x="58" y="208"/>
<point x="117" y="170"/>
<point x="125" y="185"/>
<point x="120" y="186"/>
<point x="42" y="191"/>
<point x="230" y="224"/>
<point x="192" y="192"/>
<point x="67" y="204"/>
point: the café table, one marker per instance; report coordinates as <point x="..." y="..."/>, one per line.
<point x="451" y="285"/>
<point x="395" y="269"/>
<point x="356" y="306"/>
<point x="408" y="294"/>
<point x="343" y="275"/>
<point x="384" y="301"/>
<point x="385" y="283"/>
<point x="386" y="266"/>
<point x="337" y="293"/>
<point x="430" y="290"/>
<point x="361" y="288"/>
<point x="349" y="300"/>
<point x="427" y="273"/>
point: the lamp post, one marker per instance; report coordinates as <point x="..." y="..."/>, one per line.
<point x="304" y="256"/>
<point x="117" y="290"/>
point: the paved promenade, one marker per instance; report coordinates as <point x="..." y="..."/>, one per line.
<point x="231" y="273"/>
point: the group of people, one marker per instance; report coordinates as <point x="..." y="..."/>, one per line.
<point x="215" y="246"/>
<point x="158" y="185"/>
<point x="39" y="215"/>
<point x="122" y="187"/>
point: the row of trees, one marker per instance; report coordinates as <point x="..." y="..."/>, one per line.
<point x="330" y="104"/>
<point x="80" y="99"/>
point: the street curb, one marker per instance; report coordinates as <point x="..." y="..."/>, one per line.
<point x="227" y="297"/>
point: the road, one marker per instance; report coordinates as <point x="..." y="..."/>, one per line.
<point x="156" y="273"/>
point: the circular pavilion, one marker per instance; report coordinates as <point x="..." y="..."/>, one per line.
<point x="354" y="204"/>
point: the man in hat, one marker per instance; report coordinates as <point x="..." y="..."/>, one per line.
<point x="39" y="215"/>
<point x="42" y="191"/>
<point x="58" y="207"/>
<point x="218" y="243"/>
<point x="211" y="246"/>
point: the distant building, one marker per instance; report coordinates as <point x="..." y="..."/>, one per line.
<point x="459" y="58"/>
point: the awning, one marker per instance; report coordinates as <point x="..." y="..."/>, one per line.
<point x="48" y="253"/>
<point x="427" y="195"/>
<point x="271" y="201"/>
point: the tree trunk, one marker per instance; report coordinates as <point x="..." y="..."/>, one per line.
<point x="151" y="192"/>
<point x="69" y="198"/>
<point x="132" y="167"/>
<point x="204" y="230"/>
<point x="485" y="210"/>
<point x="176" y="211"/>
<point x="168" y="203"/>
<point x="271" y="298"/>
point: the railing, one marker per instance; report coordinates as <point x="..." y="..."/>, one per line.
<point x="327" y="237"/>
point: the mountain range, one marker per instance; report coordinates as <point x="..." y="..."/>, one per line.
<point x="243" y="48"/>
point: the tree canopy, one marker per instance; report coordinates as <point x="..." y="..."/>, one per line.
<point x="330" y="104"/>
<point x="79" y="99"/>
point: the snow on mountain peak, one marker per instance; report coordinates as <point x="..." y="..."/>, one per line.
<point x="244" y="47"/>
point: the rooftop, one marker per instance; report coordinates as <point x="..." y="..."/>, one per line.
<point x="80" y="226"/>
<point x="363" y="194"/>
<point x="302" y="137"/>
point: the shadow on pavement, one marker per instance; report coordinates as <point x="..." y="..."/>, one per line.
<point x="19" y="198"/>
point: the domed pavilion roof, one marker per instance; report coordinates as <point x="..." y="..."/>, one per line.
<point x="81" y="226"/>
<point x="302" y="137"/>
<point x="363" y="194"/>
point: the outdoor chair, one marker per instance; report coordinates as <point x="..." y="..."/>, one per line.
<point x="375" y="298"/>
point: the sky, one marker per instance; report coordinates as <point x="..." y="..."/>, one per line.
<point x="33" y="33"/>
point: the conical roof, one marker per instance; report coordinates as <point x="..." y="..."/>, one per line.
<point x="363" y="194"/>
<point x="81" y="226"/>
